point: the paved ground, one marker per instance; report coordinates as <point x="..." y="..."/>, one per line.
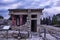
<point x="34" y="36"/>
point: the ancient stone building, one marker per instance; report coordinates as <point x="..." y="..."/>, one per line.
<point x="28" y="19"/>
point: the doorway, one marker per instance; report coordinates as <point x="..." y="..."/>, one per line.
<point x="34" y="25"/>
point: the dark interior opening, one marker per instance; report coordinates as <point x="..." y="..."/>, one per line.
<point x="24" y="19"/>
<point x="17" y="20"/>
<point x="34" y="16"/>
<point x="34" y="25"/>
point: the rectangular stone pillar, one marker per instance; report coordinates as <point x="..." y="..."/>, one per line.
<point x="38" y="21"/>
<point x="29" y="20"/>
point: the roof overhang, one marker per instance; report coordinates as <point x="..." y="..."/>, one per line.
<point x="11" y="11"/>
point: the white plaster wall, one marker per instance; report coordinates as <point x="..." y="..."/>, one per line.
<point x="38" y="19"/>
<point x="20" y="13"/>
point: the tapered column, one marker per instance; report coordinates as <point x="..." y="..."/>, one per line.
<point x="21" y="19"/>
<point x="13" y="22"/>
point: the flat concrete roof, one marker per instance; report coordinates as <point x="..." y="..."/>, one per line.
<point x="24" y="10"/>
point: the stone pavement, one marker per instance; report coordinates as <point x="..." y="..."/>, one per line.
<point x="33" y="36"/>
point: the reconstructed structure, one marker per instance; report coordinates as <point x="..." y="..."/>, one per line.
<point x="28" y="19"/>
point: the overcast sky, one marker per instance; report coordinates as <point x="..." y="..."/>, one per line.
<point x="50" y="6"/>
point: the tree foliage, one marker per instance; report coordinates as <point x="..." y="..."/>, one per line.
<point x="46" y="21"/>
<point x="58" y="17"/>
<point x="54" y="20"/>
<point x="1" y="17"/>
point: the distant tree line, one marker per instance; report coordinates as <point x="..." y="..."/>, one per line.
<point x="55" y="20"/>
<point x="46" y="21"/>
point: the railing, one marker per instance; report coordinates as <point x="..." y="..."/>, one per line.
<point x="53" y="31"/>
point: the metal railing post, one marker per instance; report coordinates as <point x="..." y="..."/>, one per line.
<point x="44" y="34"/>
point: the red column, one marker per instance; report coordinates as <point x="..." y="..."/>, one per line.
<point x="20" y="19"/>
<point x="13" y="22"/>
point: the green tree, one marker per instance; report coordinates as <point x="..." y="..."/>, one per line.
<point x="1" y="17"/>
<point x="58" y="19"/>
<point x="54" y="20"/>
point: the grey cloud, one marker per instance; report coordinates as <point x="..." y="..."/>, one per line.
<point x="27" y="4"/>
<point x="58" y="3"/>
